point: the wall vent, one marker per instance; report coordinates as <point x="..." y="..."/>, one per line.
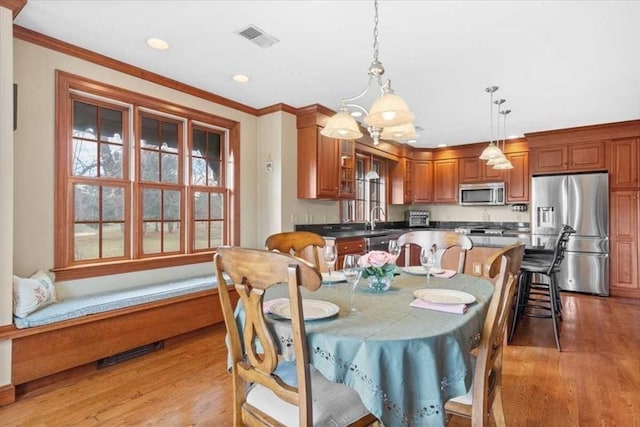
<point x="257" y="36"/>
<point x="130" y="354"/>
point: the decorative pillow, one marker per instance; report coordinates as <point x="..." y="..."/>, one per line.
<point x="33" y="293"/>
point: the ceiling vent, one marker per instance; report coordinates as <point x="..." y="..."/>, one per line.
<point x="257" y="36"/>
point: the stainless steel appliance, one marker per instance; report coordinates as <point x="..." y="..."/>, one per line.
<point x="417" y="218"/>
<point x="490" y="193"/>
<point x="581" y="201"/>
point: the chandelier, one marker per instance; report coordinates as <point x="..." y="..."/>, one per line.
<point x="492" y="153"/>
<point x="388" y="118"/>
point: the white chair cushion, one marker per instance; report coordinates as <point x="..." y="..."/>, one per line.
<point x="333" y="404"/>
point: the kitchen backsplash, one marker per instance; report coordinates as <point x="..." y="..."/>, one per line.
<point x="462" y="213"/>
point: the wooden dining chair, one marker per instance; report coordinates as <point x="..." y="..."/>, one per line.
<point x="302" y="244"/>
<point x="444" y="240"/>
<point x="485" y="394"/>
<point x="266" y="390"/>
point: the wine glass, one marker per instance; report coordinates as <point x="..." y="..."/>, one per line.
<point x="330" y="255"/>
<point x="428" y="260"/>
<point x="394" y="248"/>
<point x="352" y="271"/>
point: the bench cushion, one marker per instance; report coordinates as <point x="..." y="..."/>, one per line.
<point x="72" y="308"/>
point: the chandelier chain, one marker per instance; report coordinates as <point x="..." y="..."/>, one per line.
<point x="375" y="32"/>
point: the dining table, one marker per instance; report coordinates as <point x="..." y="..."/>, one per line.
<point x="404" y="362"/>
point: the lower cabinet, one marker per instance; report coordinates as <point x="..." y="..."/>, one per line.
<point x="348" y="246"/>
<point x="623" y="240"/>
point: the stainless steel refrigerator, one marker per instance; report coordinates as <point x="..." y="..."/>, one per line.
<point x="581" y="201"/>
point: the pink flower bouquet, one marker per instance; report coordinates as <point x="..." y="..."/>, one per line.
<point x="378" y="264"/>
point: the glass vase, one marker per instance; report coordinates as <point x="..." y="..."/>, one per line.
<point x="380" y="283"/>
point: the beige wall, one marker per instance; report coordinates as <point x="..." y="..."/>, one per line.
<point x="6" y="186"/>
<point x="34" y="163"/>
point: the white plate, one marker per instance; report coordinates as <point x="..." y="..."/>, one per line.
<point x="336" y="276"/>
<point x="312" y="309"/>
<point x="420" y="271"/>
<point x="444" y="296"/>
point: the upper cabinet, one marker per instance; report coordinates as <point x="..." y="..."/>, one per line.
<point x="568" y="158"/>
<point x="326" y="166"/>
<point x="475" y="170"/>
<point x="445" y="181"/>
<point x="517" y="179"/>
<point x="422" y="181"/>
<point x="623" y="163"/>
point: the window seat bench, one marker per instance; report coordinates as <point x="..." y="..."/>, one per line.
<point x="81" y="330"/>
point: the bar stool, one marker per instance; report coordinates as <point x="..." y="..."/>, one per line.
<point x="539" y="299"/>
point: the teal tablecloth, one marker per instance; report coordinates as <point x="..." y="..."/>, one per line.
<point x="404" y="362"/>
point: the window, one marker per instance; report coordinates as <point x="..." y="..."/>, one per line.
<point x="140" y="183"/>
<point x="369" y="193"/>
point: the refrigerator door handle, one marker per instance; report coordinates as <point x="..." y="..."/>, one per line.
<point x="565" y="201"/>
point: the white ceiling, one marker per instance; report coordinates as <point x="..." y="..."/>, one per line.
<point x="558" y="63"/>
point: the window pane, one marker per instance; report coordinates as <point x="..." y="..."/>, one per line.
<point x="201" y="205"/>
<point x="213" y="173"/>
<point x="111" y="160"/>
<point x="86" y="202"/>
<point x="171" y="236"/>
<point x="112" y="240"/>
<point x="86" y="242"/>
<point x="151" y="237"/>
<point x="201" y="235"/>
<point x="170" y="137"/>
<point x="112" y="204"/>
<point x="151" y="204"/>
<point x="213" y="146"/>
<point x="171" y="208"/>
<point x="150" y="168"/>
<point x="110" y="125"/>
<point x="85" y="120"/>
<point x="217" y="205"/>
<point x="198" y="171"/>
<point x="170" y="168"/>
<point x="149" y="137"/>
<point x="199" y="143"/>
<point x="84" y="160"/>
<point x="216" y="233"/>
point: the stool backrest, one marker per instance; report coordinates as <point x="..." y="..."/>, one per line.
<point x="561" y="248"/>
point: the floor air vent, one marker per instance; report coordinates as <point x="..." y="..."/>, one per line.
<point x="130" y="354"/>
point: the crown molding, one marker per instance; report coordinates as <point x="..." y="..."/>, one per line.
<point x="14" y="6"/>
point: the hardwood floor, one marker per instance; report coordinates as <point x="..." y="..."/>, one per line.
<point x="595" y="381"/>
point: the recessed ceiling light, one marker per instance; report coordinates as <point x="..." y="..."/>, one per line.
<point x="240" y="78"/>
<point x="157" y="44"/>
<point x="442" y="145"/>
<point x="356" y="113"/>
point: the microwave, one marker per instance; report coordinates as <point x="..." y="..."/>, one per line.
<point x="417" y="218"/>
<point x="484" y="194"/>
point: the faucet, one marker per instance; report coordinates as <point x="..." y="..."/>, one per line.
<point x="372" y="219"/>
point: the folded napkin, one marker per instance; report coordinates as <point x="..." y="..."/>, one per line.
<point x="445" y="274"/>
<point x="447" y="308"/>
<point x="266" y="305"/>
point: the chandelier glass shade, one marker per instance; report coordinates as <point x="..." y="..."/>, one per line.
<point x="405" y="132"/>
<point x="389" y="110"/>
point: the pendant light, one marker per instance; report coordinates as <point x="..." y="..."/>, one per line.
<point x="506" y="163"/>
<point x="372" y="174"/>
<point x="387" y="111"/>
<point x="492" y="151"/>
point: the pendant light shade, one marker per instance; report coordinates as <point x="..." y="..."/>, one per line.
<point x="372" y="174"/>
<point x="400" y="133"/>
<point x="343" y="126"/>
<point x="491" y="152"/>
<point x="389" y="110"/>
<point x="503" y="165"/>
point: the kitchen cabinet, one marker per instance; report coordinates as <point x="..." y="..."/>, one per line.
<point x="623" y="238"/>
<point x="445" y="181"/>
<point x="476" y="170"/>
<point x="401" y="173"/>
<point x="422" y="181"/>
<point x="568" y="158"/>
<point x="517" y="179"/>
<point x="348" y="246"/>
<point x="326" y="166"/>
<point x="623" y="163"/>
